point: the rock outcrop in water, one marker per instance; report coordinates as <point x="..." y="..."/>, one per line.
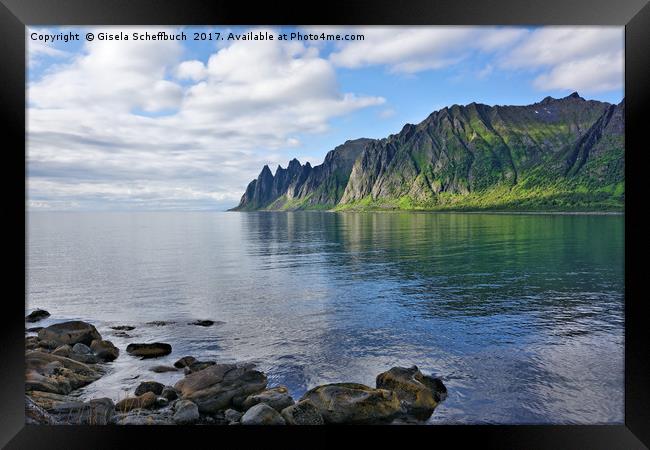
<point x="209" y="393"/>
<point x="565" y="153"/>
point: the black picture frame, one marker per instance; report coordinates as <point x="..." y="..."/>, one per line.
<point x="633" y="14"/>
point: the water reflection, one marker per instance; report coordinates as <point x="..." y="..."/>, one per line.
<point x="521" y="315"/>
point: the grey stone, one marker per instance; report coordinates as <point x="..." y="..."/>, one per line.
<point x="262" y="414"/>
<point x="185" y="412"/>
<point x="302" y="413"/>
<point x="70" y="333"/>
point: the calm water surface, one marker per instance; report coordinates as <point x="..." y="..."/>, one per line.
<point x="520" y="315"/>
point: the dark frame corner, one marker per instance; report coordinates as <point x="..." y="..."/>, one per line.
<point x="634" y="14"/>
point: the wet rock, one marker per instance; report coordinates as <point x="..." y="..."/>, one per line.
<point x="198" y="365"/>
<point x="262" y="414"/>
<point x="277" y="398"/>
<point x="81" y="349"/>
<point x="86" y="359"/>
<point x="149" y="386"/>
<point x="203" y="323"/>
<point x="354" y="403"/>
<point x="185" y="361"/>
<point x="123" y="328"/>
<point x="153" y="350"/>
<point x="70" y="333"/>
<point x="169" y="393"/>
<point x="220" y="386"/>
<point x="419" y="393"/>
<point x="232" y="415"/>
<point x="95" y="412"/>
<point x="56" y="374"/>
<point x="185" y="412"/>
<point x="63" y="350"/>
<point x="163" y="369"/>
<point x="36" y="415"/>
<point x="48" y="400"/>
<point x="159" y="323"/>
<point x="48" y="344"/>
<point x="104" y="350"/>
<point x="144" y="417"/>
<point x="161" y="402"/>
<point x="146" y="400"/>
<point x="302" y="413"/>
<point x="36" y="315"/>
<point x="34" y="329"/>
<point x="123" y="334"/>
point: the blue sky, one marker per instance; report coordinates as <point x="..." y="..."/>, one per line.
<point x="186" y="125"/>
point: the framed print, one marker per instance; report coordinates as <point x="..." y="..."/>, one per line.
<point x="259" y="222"/>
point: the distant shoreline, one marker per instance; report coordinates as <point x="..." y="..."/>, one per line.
<point x="429" y="211"/>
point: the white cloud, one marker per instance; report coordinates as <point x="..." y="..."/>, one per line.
<point x="415" y="49"/>
<point x="573" y="58"/>
<point x="112" y="125"/>
<point x="578" y="58"/>
<point x="191" y="70"/>
<point x="598" y="73"/>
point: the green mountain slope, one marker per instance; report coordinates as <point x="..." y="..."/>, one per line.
<point x="557" y="154"/>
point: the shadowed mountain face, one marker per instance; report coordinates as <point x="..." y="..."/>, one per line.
<point x="563" y="153"/>
<point x="300" y="187"/>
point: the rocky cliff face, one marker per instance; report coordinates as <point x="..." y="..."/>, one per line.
<point x="563" y="153"/>
<point x="300" y="186"/>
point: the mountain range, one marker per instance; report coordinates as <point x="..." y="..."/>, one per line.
<point x="556" y="154"/>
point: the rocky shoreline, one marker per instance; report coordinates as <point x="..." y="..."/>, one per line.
<point x="67" y="356"/>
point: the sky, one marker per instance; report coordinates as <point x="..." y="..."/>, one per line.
<point x="186" y="125"/>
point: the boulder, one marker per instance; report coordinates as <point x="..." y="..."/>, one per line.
<point x="277" y="398"/>
<point x="81" y="349"/>
<point x="169" y="393"/>
<point x="185" y="361"/>
<point x="302" y="413"/>
<point x="198" y="365"/>
<point x="64" y="350"/>
<point x="95" y="412"/>
<point x="36" y="315"/>
<point x="36" y="415"/>
<point x="104" y="350"/>
<point x="185" y="412"/>
<point x="149" y="386"/>
<point x="48" y="400"/>
<point x="146" y="400"/>
<point x="153" y="350"/>
<point x="84" y="358"/>
<point x="56" y="374"/>
<point x="219" y="386"/>
<point x="70" y="333"/>
<point x="343" y="403"/>
<point x="232" y="416"/>
<point x="262" y="414"/>
<point x="419" y="393"/>
<point x="48" y="344"/>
